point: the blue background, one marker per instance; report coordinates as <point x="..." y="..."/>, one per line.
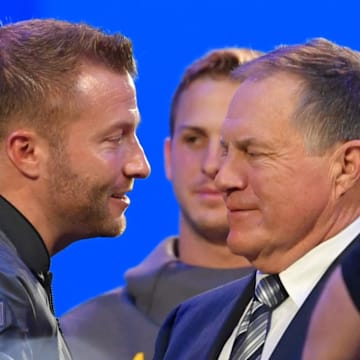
<point x="167" y="36"/>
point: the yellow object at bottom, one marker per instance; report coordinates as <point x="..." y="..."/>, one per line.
<point x="139" y="356"/>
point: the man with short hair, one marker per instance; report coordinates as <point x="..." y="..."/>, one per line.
<point x="70" y="154"/>
<point x="289" y="174"/>
<point x="128" y="319"/>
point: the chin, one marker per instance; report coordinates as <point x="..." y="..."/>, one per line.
<point x="112" y="229"/>
<point x="120" y="226"/>
<point x="240" y="245"/>
<point x="117" y="224"/>
<point x="118" y="229"/>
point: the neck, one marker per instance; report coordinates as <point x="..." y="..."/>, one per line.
<point x="329" y="224"/>
<point x="34" y="213"/>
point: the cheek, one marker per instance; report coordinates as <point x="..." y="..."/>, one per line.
<point x="112" y="160"/>
<point x="297" y="202"/>
<point x="275" y="196"/>
<point x="185" y="162"/>
<point x="185" y="173"/>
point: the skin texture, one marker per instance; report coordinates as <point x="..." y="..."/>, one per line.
<point x="75" y="187"/>
<point x="267" y="177"/>
<point x="191" y="162"/>
<point x="326" y="341"/>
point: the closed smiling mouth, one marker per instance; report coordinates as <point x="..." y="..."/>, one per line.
<point x="118" y="196"/>
<point x="122" y="197"/>
<point x="238" y="208"/>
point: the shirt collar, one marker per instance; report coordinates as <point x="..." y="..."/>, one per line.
<point x="300" y="278"/>
<point x="27" y="241"/>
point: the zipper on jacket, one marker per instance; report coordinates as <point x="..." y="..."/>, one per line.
<point x="47" y="285"/>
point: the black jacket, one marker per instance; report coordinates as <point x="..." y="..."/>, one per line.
<point x="28" y="327"/>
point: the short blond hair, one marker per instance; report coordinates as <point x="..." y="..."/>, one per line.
<point x="216" y="64"/>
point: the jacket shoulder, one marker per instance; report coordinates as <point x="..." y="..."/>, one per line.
<point x="199" y="316"/>
<point x="216" y="296"/>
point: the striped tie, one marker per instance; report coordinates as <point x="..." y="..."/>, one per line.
<point x="250" y="340"/>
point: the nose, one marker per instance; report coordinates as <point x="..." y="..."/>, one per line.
<point x="231" y="175"/>
<point x="211" y="160"/>
<point x="138" y="166"/>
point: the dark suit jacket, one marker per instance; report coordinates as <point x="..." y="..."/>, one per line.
<point x="199" y="328"/>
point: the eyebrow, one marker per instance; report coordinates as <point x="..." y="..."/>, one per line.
<point x="250" y="141"/>
<point x="119" y="124"/>
<point x="191" y="128"/>
<point x="244" y="143"/>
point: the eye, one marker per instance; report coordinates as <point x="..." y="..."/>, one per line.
<point x="191" y="139"/>
<point x="252" y="152"/>
<point x="117" y="138"/>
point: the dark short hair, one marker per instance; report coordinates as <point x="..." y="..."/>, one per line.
<point x="216" y="64"/>
<point x="328" y="109"/>
<point x="39" y="64"/>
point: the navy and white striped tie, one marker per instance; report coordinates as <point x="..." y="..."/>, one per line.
<point x="253" y="329"/>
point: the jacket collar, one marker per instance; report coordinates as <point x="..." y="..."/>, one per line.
<point x="24" y="237"/>
<point x="231" y="313"/>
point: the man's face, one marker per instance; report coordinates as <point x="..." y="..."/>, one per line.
<point x="94" y="168"/>
<point x="279" y="197"/>
<point x="192" y="156"/>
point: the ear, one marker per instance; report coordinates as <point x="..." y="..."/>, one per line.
<point x="167" y="158"/>
<point x="21" y="148"/>
<point x="348" y="167"/>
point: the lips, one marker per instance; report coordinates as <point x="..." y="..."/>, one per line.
<point x="207" y="190"/>
<point x="118" y="196"/>
<point x="241" y="210"/>
<point x="237" y="206"/>
<point x="121" y="196"/>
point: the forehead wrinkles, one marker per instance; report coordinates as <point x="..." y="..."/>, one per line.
<point x="270" y="100"/>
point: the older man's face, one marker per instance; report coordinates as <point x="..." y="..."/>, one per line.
<point x="279" y="198"/>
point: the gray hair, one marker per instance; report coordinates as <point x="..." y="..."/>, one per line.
<point x="328" y="110"/>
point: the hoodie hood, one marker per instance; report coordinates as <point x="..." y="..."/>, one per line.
<point x="162" y="281"/>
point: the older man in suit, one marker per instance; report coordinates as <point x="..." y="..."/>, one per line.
<point x="290" y="176"/>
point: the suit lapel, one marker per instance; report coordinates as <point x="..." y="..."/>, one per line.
<point x="292" y="341"/>
<point x="231" y="314"/>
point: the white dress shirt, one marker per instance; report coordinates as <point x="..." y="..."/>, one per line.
<point x="299" y="280"/>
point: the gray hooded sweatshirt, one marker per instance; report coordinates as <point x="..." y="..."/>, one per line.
<point x="123" y="324"/>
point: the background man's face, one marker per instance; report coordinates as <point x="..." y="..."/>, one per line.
<point x="192" y="155"/>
